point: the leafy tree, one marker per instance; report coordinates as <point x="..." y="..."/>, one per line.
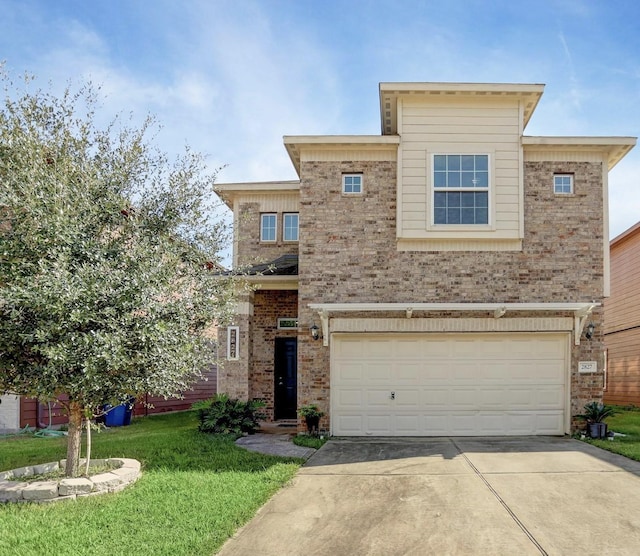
<point x="108" y="257"/>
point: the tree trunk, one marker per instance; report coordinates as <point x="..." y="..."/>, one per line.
<point x="74" y="440"/>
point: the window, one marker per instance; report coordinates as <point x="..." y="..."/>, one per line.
<point x="352" y="184"/>
<point x="290" y="227"/>
<point x="268" y="224"/>
<point x="461" y="189"/>
<point x="563" y="184"/>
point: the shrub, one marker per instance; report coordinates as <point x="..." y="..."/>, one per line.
<point x="596" y="412"/>
<point x="222" y="415"/>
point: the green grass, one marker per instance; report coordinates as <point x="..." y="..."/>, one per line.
<point x="195" y="491"/>
<point x="309" y="441"/>
<point x="625" y="421"/>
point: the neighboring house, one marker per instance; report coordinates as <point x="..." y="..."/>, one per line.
<point x="17" y="412"/>
<point x="622" y="321"/>
<point x="449" y="269"/>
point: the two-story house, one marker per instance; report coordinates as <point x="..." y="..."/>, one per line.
<point x="443" y="278"/>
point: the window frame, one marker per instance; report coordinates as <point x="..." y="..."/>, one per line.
<point x="571" y="183"/>
<point x="275" y="227"/>
<point x="284" y="226"/>
<point x="460" y="189"/>
<point x="347" y="175"/>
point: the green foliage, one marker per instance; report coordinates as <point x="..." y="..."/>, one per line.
<point x="108" y="252"/>
<point x="183" y="471"/>
<point x="309" y="441"/>
<point x="310" y="411"/>
<point x="596" y="412"/>
<point x="222" y="415"/>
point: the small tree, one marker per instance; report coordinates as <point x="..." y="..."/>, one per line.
<point x="108" y="252"/>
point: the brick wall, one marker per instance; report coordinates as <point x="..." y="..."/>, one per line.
<point x="348" y="254"/>
<point x="249" y="247"/>
<point x="269" y="305"/>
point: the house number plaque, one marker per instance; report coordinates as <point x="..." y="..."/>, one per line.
<point x="587" y="366"/>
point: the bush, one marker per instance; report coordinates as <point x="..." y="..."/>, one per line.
<point x="222" y="415"/>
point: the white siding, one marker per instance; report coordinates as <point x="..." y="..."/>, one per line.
<point x="460" y="125"/>
<point x="277" y="202"/>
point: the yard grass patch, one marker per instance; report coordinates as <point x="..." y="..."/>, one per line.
<point x="195" y="491"/>
<point x="627" y="422"/>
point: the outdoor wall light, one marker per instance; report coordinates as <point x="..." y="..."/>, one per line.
<point x="315" y="332"/>
<point x="590" y="329"/>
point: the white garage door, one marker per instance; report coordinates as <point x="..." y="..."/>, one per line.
<point x="448" y="384"/>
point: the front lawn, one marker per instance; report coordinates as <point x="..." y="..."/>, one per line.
<point x="195" y="491"/>
<point x="625" y="421"/>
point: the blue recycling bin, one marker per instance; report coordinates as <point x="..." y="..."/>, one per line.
<point x="118" y="416"/>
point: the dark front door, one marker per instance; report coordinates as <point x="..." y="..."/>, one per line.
<point x="285" y="375"/>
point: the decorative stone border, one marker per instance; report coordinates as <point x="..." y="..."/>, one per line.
<point x="125" y="471"/>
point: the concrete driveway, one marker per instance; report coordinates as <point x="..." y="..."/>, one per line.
<point x="533" y="495"/>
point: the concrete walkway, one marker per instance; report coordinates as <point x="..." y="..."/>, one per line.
<point x="456" y="496"/>
<point x="275" y="445"/>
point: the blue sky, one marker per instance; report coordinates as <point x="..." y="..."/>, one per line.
<point x="230" y="78"/>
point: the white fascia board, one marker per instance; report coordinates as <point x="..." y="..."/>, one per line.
<point x="616" y="148"/>
<point x="581" y="311"/>
<point x="577" y="308"/>
<point x="503" y="88"/>
<point x="341" y="140"/>
<point x="277" y="282"/>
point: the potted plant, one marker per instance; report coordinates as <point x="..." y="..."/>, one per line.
<point x="594" y="414"/>
<point x="311" y="415"/>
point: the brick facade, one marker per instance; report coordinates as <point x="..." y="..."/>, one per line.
<point x="348" y="254"/>
<point x="268" y="307"/>
<point x="247" y="233"/>
<point x="538" y="248"/>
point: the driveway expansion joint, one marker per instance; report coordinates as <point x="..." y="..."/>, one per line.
<point x="502" y="502"/>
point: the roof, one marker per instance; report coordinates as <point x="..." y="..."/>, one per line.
<point x="530" y="93"/>
<point x="228" y="191"/>
<point x="615" y="147"/>
<point x="635" y="229"/>
<point x="293" y="143"/>
<point x="285" y="265"/>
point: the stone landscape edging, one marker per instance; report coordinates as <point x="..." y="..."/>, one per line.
<point x="124" y="472"/>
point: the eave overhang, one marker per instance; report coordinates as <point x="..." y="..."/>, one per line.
<point x="272" y="282"/>
<point x="528" y="93"/>
<point x="628" y="233"/>
<point x="580" y="310"/>
<point x="228" y="192"/>
<point x="615" y="148"/>
<point x="296" y="143"/>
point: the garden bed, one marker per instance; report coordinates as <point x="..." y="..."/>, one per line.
<point x="15" y="485"/>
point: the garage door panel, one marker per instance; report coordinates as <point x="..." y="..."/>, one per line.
<point x="408" y="399"/>
<point x="436" y="397"/>
<point x="349" y="371"/>
<point x="408" y="372"/>
<point x="379" y="372"/>
<point x="377" y="398"/>
<point x="408" y="425"/>
<point x="550" y="397"/>
<point x="449" y="384"/>
<point x="379" y="425"/>
<point x="349" y="399"/>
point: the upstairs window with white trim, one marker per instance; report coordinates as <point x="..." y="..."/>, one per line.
<point x="352" y="184"/>
<point x="460" y="189"/>
<point x="290" y="226"/>
<point x="563" y="184"/>
<point x="268" y="227"/>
